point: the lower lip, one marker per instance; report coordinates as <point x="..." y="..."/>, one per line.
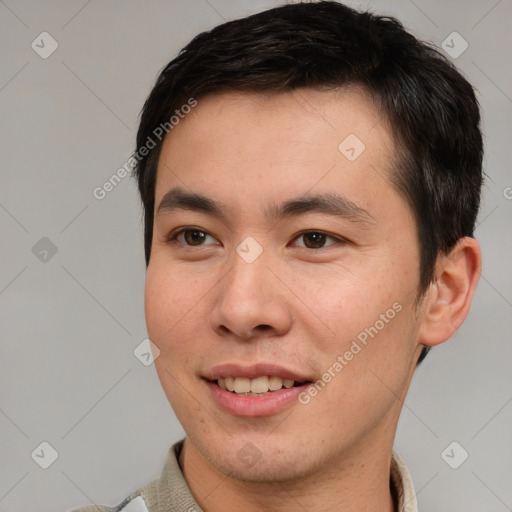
<point x="272" y="403"/>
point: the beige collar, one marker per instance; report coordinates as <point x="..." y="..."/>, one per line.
<point x="401" y="483"/>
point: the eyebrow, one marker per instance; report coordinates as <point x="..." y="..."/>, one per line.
<point x="329" y="203"/>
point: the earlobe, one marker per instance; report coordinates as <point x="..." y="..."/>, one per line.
<point x="448" y="300"/>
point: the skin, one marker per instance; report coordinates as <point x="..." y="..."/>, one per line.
<point x="297" y="305"/>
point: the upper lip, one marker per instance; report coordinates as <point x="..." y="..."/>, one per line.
<point x="254" y="370"/>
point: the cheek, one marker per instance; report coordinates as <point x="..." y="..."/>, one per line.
<point x="176" y="308"/>
<point x="157" y="303"/>
<point x="365" y="368"/>
<point x="345" y="305"/>
<point x="370" y="318"/>
<point x="166" y="302"/>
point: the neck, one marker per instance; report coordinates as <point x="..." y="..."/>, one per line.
<point x="356" y="481"/>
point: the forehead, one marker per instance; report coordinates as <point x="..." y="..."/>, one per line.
<point x="303" y="111"/>
<point x="270" y="145"/>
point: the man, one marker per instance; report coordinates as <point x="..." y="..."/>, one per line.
<point x="311" y="178"/>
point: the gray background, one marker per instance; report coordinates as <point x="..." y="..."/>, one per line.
<point x="69" y="325"/>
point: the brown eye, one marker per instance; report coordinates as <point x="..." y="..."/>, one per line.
<point x="194" y="236"/>
<point x="190" y="237"/>
<point x="314" y="240"/>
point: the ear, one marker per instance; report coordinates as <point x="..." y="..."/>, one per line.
<point x="449" y="297"/>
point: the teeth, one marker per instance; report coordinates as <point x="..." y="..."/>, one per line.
<point x="230" y="383"/>
<point x="275" y="383"/>
<point x="257" y="386"/>
<point x="242" y="385"/>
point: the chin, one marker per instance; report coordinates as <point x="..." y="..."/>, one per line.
<point x="253" y="458"/>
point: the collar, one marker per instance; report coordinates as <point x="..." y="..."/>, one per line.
<point x="401" y="485"/>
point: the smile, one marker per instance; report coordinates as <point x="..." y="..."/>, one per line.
<point x="260" y="386"/>
<point x="256" y="390"/>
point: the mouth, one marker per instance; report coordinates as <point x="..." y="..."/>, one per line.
<point x="259" y="386"/>
<point x="257" y="390"/>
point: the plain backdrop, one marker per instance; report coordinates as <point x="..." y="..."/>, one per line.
<point x="72" y="272"/>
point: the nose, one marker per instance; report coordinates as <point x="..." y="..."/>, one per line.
<point x="251" y="301"/>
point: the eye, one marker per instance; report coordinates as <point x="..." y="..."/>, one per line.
<point x="190" y="236"/>
<point x="195" y="237"/>
<point x="316" y="239"/>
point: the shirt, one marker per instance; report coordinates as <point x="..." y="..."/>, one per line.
<point x="170" y="492"/>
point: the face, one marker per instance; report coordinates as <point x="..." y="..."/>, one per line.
<point x="283" y="300"/>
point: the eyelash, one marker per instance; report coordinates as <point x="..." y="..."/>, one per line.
<point x="173" y="238"/>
